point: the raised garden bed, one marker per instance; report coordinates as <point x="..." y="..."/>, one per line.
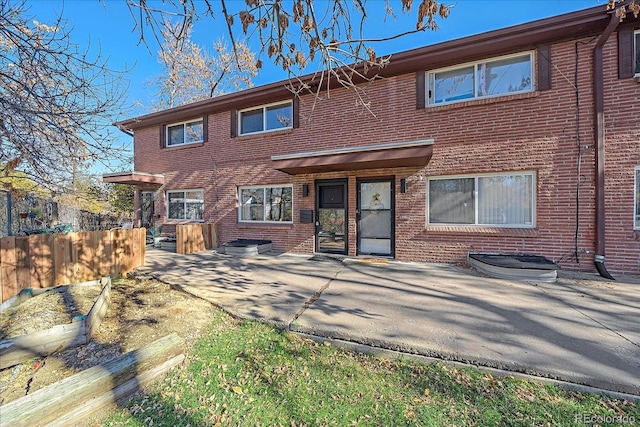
<point x="523" y="267"/>
<point x="167" y="243"/>
<point x="18" y="347"/>
<point x="247" y="247"/>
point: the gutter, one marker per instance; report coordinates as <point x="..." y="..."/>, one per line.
<point x="598" y="100"/>
<point x="123" y="129"/>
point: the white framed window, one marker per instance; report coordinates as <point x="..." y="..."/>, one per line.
<point x="185" y="133"/>
<point x="499" y="200"/>
<point x="637" y="50"/>
<point x="272" y="203"/>
<point x="185" y="205"/>
<point x="497" y="76"/>
<point x="266" y="118"/>
<point x="636" y="206"/>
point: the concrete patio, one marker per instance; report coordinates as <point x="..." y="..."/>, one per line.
<point x="582" y="329"/>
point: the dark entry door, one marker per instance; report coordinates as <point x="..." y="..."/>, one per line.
<point x="146" y="209"/>
<point x="331" y="214"/>
<point x="375" y="217"/>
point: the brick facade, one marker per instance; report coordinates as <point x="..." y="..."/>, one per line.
<point x="548" y="132"/>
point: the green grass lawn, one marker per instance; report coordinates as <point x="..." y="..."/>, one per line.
<point x="252" y="374"/>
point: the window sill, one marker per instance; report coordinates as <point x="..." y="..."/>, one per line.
<point x="483" y="101"/>
<point x="181" y="146"/>
<point x="265" y="225"/>
<point x="183" y="221"/>
<point x="265" y="133"/>
<point x="482" y="231"/>
<point x="637" y="79"/>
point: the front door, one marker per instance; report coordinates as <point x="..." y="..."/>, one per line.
<point x="375" y="217"/>
<point x="331" y="214"/>
<point x="146" y="209"/>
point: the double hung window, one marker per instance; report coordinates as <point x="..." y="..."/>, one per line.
<point x="266" y="118"/>
<point x="504" y="200"/>
<point x="497" y="76"/>
<point x="185" y="133"/>
<point x="266" y="204"/>
<point x="185" y="205"/>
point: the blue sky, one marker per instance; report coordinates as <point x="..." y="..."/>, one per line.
<point x="108" y="27"/>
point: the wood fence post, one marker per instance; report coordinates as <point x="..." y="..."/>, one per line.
<point x="8" y="267"/>
<point x="143" y="246"/>
<point x="22" y="263"/>
<point x="106" y="252"/>
<point x="42" y="271"/>
<point x="180" y="239"/>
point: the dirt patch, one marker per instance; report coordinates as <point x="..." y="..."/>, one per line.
<point x="55" y="306"/>
<point x="141" y="311"/>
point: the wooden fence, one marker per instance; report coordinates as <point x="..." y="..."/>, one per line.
<point x="47" y="260"/>
<point x="195" y="237"/>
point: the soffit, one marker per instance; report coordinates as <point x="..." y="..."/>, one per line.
<point x="134" y="178"/>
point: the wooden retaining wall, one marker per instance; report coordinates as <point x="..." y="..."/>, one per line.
<point x="46" y="260"/>
<point x="73" y="399"/>
<point x="195" y="237"/>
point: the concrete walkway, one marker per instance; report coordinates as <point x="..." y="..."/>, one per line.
<point x="581" y="329"/>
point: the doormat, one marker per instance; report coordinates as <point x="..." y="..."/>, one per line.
<point x="375" y="261"/>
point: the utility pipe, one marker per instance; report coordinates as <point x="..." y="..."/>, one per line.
<point x="598" y="100"/>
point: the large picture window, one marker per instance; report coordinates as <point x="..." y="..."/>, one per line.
<point x="266" y="204"/>
<point x="185" y="205"/>
<point x="505" y="200"/>
<point x="498" y="76"/>
<point x="636" y="223"/>
<point x="185" y="133"/>
<point x="266" y="118"/>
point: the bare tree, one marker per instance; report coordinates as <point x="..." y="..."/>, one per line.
<point x="57" y="103"/>
<point x="191" y="73"/>
<point x="621" y="7"/>
<point x="296" y="33"/>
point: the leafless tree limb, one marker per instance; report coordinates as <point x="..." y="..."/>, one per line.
<point x="294" y="36"/>
<point x="192" y="73"/>
<point x="57" y="103"/>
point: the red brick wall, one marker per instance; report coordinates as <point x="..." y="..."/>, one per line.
<point x="622" y="155"/>
<point x="529" y="132"/>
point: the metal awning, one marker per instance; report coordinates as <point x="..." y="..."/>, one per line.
<point x="134" y="178"/>
<point x="388" y="155"/>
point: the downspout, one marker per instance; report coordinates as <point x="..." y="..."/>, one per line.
<point x="598" y="101"/>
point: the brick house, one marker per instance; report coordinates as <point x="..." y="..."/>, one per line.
<point x="524" y="139"/>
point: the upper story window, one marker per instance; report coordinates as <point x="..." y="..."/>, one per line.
<point x="266" y="204"/>
<point x="185" y="133"/>
<point x="497" y="76"/>
<point x="185" y="205"/>
<point x="266" y="118"/>
<point x="501" y="200"/>
<point x="637" y="42"/>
